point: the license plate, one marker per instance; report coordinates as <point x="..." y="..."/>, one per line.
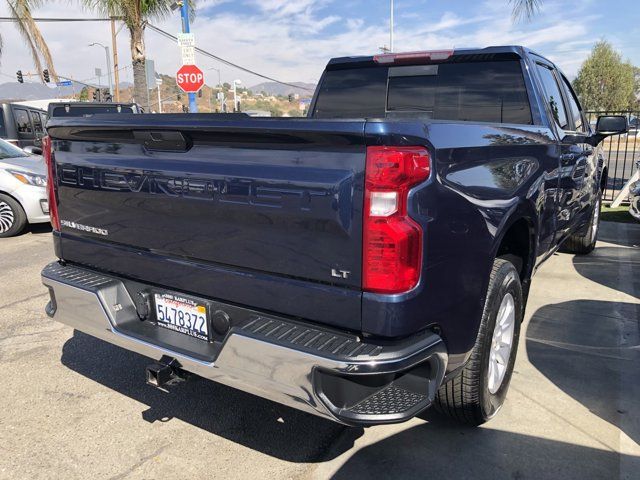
<point x="182" y="315"/>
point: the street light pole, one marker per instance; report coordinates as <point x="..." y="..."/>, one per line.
<point x="108" y="55"/>
<point x="391" y="28"/>
<point x="184" y="14"/>
<point x="219" y="84"/>
<point x="235" y="94"/>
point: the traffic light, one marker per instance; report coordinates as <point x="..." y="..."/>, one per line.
<point x="95" y="95"/>
<point x="200" y="93"/>
<point x="19" y="76"/>
<point x="106" y="95"/>
<point x="45" y="76"/>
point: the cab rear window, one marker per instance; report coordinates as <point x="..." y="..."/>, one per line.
<point x="489" y="91"/>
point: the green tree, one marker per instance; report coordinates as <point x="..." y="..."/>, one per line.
<point x="20" y="10"/>
<point x="136" y="14"/>
<point x="84" y="94"/>
<point x="604" y="81"/>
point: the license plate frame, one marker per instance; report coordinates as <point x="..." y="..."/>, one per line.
<point x="194" y="320"/>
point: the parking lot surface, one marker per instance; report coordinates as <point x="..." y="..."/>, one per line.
<point x="75" y="407"/>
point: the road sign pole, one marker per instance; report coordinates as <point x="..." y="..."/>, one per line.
<point x="184" y="13"/>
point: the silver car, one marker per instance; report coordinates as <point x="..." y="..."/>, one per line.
<point x="23" y="192"/>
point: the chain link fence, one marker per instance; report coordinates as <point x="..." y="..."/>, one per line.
<point x="621" y="152"/>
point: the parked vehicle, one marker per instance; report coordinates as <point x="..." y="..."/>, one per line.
<point x="23" y="194"/>
<point x="634" y="196"/>
<point x="80" y="109"/>
<point x="361" y="264"/>
<point x="21" y="125"/>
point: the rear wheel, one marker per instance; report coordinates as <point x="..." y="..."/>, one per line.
<point x="476" y="393"/>
<point x="12" y="217"/>
<point x="584" y="242"/>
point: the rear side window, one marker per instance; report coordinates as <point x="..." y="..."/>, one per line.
<point x="3" y="130"/>
<point x="352" y="93"/>
<point x="23" y="123"/>
<point x="36" y="121"/>
<point x="476" y="91"/>
<point x="553" y="96"/>
<point x="473" y="91"/>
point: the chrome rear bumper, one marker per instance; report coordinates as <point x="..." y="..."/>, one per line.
<point x="324" y="372"/>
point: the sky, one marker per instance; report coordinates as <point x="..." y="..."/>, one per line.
<point x="292" y="40"/>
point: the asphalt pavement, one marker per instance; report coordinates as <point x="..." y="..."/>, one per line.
<point x="76" y="407"/>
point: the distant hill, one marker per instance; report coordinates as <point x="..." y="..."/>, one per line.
<point x="39" y="91"/>
<point x="273" y="88"/>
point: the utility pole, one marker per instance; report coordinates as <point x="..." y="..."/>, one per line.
<point x="184" y="13"/>
<point x="114" y="47"/>
<point x="391" y="28"/>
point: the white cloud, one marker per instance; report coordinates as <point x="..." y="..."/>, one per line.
<point x="289" y="39"/>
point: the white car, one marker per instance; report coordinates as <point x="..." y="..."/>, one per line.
<point x="23" y="192"/>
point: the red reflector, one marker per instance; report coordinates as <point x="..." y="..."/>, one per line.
<point x="432" y="56"/>
<point x="51" y="184"/>
<point x="392" y="241"/>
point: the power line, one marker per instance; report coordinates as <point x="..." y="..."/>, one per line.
<point x="226" y="62"/>
<point x="56" y="19"/>
<point x="167" y="35"/>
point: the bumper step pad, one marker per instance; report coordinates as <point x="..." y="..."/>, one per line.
<point x="388" y="401"/>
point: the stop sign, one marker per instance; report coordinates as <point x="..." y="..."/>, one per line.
<point x="190" y="78"/>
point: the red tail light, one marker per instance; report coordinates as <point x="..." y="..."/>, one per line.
<point x="51" y="183"/>
<point x="392" y="241"/>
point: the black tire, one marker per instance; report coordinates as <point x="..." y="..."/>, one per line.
<point x="466" y="397"/>
<point x="12" y="217"/>
<point x="583" y="243"/>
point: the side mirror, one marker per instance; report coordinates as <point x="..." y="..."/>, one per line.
<point x="608" y="125"/>
<point x="32" y="150"/>
<point x="612" y="125"/>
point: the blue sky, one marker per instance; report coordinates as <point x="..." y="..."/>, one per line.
<point x="293" y="39"/>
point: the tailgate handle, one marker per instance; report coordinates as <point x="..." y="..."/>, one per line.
<point x="162" y="140"/>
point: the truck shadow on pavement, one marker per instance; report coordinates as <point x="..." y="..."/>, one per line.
<point x="590" y="350"/>
<point x="256" y="423"/>
<point x="438" y="449"/>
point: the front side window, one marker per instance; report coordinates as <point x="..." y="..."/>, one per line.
<point x="576" y="112"/>
<point x="553" y="96"/>
<point x="23" y="123"/>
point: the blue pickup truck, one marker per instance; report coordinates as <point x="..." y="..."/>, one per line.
<point x="361" y="264"/>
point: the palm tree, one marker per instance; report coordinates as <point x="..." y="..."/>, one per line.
<point x="21" y="11"/>
<point x="135" y="14"/>
<point x="524" y="9"/>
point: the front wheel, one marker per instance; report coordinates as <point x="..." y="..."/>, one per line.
<point x="12" y="217"/>
<point x="584" y="243"/>
<point x="476" y="393"/>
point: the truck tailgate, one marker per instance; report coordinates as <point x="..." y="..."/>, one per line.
<point x="274" y="199"/>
